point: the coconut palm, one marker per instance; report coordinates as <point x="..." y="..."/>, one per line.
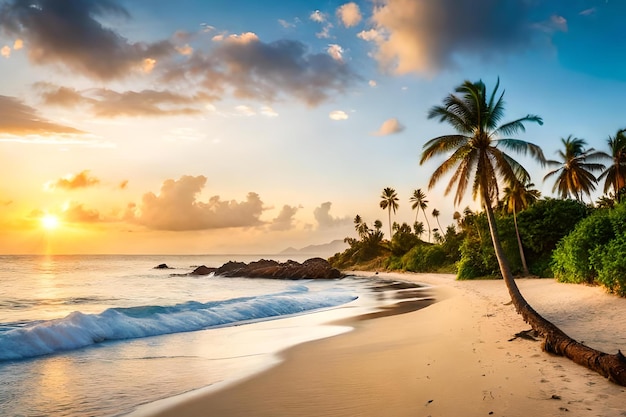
<point x="615" y="174"/>
<point x="419" y="202"/>
<point x="436" y="216"/>
<point x="389" y="202"/>
<point x="574" y="172"/>
<point x="476" y="152"/>
<point x="518" y="196"/>
<point x="361" y="227"/>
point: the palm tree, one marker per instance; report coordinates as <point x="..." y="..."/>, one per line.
<point x="615" y="174"/>
<point x="436" y="216"/>
<point x="390" y="202"/>
<point x="575" y="176"/>
<point x="361" y="227"/>
<point x="518" y="196"/>
<point x="476" y="151"/>
<point x="419" y="202"/>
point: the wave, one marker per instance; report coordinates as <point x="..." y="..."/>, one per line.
<point x="78" y="330"/>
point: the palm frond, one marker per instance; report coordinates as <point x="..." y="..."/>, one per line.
<point x="441" y="145"/>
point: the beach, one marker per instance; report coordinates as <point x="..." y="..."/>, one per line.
<point x="456" y="357"/>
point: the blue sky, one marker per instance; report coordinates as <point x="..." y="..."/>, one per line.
<point x="244" y="126"/>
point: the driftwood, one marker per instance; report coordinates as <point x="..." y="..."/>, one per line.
<point x="611" y="366"/>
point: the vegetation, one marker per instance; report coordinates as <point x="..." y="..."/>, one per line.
<point x="527" y="235"/>
<point x="574" y="174"/>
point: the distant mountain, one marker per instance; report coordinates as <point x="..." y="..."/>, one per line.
<point x="325" y="250"/>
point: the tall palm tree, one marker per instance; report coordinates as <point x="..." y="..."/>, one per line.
<point x="389" y="202"/>
<point x="518" y="196"/>
<point x="475" y="151"/>
<point x="436" y="216"/>
<point x="419" y="202"/>
<point x="574" y="174"/>
<point x="615" y="174"/>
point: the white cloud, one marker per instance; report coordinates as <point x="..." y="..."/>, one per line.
<point x="369" y="35"/>
<point x="338" y="115"/>
<point x="335" y="51"/>
<point x="286" y="24"/>
<point x="245" y="110"/>
<point x="389" y="127"/>
<point x="318" y="16"/>
<point x="285" y="219"/>
<point x="268" y="111"/>
<point x="5" y="51"/>
<point x="325" y="220"/>
<point x="350" y="14"/>
<point x="372" y="83"/>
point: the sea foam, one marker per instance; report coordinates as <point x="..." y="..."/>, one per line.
<point x="78" y="330"/>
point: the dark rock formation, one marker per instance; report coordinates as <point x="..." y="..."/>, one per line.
<point x="314" y="268"/>
<point x="202" y="270"/>
<point x="161" y="266"/>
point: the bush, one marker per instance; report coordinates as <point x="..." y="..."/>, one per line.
<point x="610" y="263"/>
<point x="477" y="259"/>
<point x="571" y="259"/>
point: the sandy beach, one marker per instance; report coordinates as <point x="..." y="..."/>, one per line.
<point x="457" y="357"/>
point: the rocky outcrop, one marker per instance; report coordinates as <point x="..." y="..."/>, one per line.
<point x="314" y="268"/>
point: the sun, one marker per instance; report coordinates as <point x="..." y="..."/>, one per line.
<point x="50" y="222"/>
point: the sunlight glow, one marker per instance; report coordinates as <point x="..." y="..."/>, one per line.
<point x="50" y="222"/>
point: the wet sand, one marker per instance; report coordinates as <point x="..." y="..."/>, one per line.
<point x="456" y="357"/>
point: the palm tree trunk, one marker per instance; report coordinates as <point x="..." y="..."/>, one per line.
<point x="390" y="224"/>
<point x="427" y="224"/>
<point x="611" y="366"/>
<point x="519" y="245"/>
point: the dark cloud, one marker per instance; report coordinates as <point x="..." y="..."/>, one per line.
<point x="73" y="182"/>
<point x="325" y="220"/>
<point x="20" y="119"/>
<point x="252" y="69"/>
<point x="425" y="36"/>
<point x="177" y="208"/>
<point x="284" y="220"/>
<point x="67" y="32"/>
<point x="103" y="102"/>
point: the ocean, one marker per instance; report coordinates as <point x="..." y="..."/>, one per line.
<point x="108" y="335"/>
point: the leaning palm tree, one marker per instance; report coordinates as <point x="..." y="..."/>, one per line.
<point x="518" y="196"/>
<point x="475" y="151"/>
<point x="615" y="174"/>
<point x="419" y="202"/>
<point x="389" y="202"/>
<point x="574" y="172"/>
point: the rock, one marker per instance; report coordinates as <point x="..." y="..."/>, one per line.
<point x="314" y="268"/>
<point x="161" y="266"/>
<point x="202" y="270"/>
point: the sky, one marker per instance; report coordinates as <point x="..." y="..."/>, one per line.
<point x="240" y="126"/>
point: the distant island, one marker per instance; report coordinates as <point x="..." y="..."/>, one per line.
<point x="325" y="250"/>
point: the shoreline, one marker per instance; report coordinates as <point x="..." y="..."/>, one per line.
<point x="458" y="356"/>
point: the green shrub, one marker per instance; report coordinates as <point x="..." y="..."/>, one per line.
<point x="571" y="258"/>
<point x="610" y="263"/>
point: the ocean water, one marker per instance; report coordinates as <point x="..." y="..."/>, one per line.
<point x="102" y="335"/>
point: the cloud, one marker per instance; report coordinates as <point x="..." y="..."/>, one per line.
<point x="177" y="208"/>
<point x="123" y="185"/>
<point x="268" y="111"/>
<point x="349" y="14"/>
<point x="18" y="44"/>
<point x="338" y="115"/>
<point x="284" y="220"/>
<point x="425" y="36"/>
<point x="372" y="83"/>
<point x="5" y="51"/>
<point x="20" y="119"/>
<point x="102" y="102"/>
<point x="73" y="181"/>
<point x="286" y="24"/>
<point x="325" y="220"/>
<point x="68" y="33"/>
<point x="318" y="16"/>
<point x="389" y="127"/>
<point x="244" y="110"/>
<point x="77" y="213"/>
<point x="335" y="51"/>
<point x="252" y="69"/>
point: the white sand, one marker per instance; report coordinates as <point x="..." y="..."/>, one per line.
<point x="453" y="358"/>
